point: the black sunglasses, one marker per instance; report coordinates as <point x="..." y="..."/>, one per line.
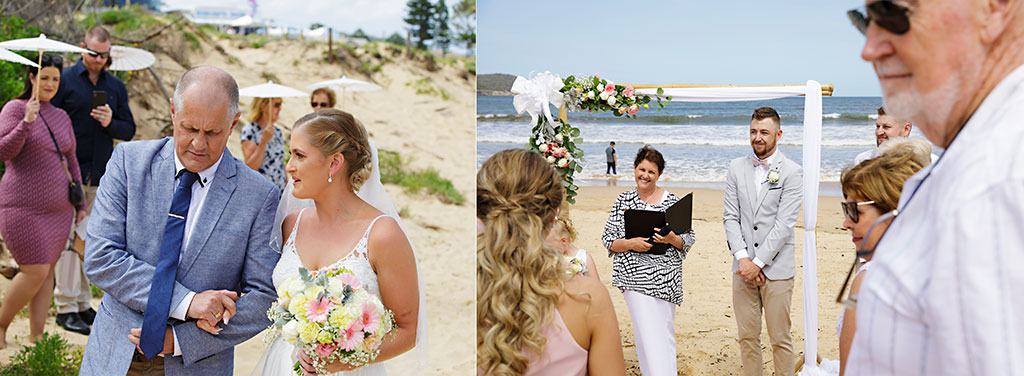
<point x="318" y="104"/>
<point x="851" y="302"/>
<point x="48" y="59"/>
<point x="850" y="209"/>
<point x="104" y="55"/>
<point x="886" y="14"/>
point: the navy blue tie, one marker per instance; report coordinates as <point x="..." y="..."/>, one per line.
<point x="158" y="307"/>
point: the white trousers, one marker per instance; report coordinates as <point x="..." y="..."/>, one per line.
<point x="72" y="292"/>
<point x="654" y="333"/>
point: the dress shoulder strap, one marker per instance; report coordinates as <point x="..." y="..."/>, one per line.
<point x="295" y="227"/>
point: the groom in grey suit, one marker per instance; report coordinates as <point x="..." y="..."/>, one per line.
<point x="763" y="192"/>
<point x="220" y="252"/>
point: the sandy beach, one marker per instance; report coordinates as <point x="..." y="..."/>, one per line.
<point x="705" y="325"/>
<point x="433" y="130"/>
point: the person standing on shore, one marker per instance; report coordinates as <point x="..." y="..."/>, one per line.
<point x="943" y="297"/>
<point x="763" y="192"/>
<point x="609" y="152"/>
<point x="886" y="128"/>
<point x="95" y="131"/>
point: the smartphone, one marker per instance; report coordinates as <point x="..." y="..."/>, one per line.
<point x="99" y="98"/>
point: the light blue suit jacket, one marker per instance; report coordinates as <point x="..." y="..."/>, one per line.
<point x="229" y="249"/>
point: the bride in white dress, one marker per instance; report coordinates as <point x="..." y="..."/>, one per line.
<point x="331" y="159"/>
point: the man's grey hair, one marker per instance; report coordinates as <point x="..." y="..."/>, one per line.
<point x="212" y="75"/>
<point x="918" y="147"/>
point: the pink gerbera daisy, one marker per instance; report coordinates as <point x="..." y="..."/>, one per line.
<point x="371" y="317"/>
<point x="317" y="310"/>
<point x="351" y="337"/>
<point x="351" y="280"/>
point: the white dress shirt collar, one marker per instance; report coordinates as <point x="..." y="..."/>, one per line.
<point x="205" y="176"/>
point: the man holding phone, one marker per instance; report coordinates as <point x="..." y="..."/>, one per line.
<point x="97" y="103"/>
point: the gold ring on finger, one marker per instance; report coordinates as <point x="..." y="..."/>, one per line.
<point x="217" y="315"/>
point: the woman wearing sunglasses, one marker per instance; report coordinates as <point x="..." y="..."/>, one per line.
<point x="870" y="190"/>
<point x="263" y="142"/>
<point x="37" y="145"/>
<point x="322" y="99"/>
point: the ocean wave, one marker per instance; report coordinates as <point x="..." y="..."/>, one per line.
<point x="506" y="139"/>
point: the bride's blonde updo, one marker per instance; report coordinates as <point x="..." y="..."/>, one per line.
<point x="335" y="131"/>
<point x="518" y="278"/>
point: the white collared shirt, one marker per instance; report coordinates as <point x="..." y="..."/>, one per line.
<point x="199" y="190"/>
<point x="760" y="176"/>
<point x="944" y="293"/>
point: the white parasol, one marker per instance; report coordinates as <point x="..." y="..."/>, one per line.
<point x="15" y="58"/>
<point x="270" y="90"/>
<point x="344" y="84"/>
<point x="40" y="44"/>
<point x="124" y="58"/>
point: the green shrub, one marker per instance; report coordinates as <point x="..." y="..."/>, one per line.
<point x="12" y="75"/>
<point x="52" y="355"/>
<point x="394" y="170"/>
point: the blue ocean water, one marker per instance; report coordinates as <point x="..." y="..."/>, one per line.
<point x="697" y="139"/>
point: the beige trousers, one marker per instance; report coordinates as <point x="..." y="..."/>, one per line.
<point x="748" y="300"/>
<point x="71" y="292"/>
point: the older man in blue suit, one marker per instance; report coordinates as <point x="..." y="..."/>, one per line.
<point x="180" y="242"/>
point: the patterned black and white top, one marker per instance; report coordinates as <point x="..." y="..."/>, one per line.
<point x="658" y="276"/>
<point x="273" y="159"/>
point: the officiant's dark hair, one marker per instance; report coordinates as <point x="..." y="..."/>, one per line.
<point x="650" y="154"/>
<point x="766" y="113"/>
<point x="49" y="60"/>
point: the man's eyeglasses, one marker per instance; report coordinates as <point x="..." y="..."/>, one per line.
<point x="861" y="252"/>
<point x="886" y="14"/>
<point x="850" y="209"/>
<point x="319" y="104"/>
<point x="94" y="54"/>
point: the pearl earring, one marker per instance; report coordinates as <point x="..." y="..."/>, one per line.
<point x="330" y="178"/>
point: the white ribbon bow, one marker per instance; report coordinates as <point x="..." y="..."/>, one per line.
<point x="534" y="95"/>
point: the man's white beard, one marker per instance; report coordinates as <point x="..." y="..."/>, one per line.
<point x="930" y="111"/>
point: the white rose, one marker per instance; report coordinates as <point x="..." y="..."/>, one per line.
<point x="543" y="148"/>
<point x="564" y="162"/>
<point x="290" y="331"/>
<point x="611" y="101"/>
<point x="539" y="141"/>
<point x="293" y="287"/>
<point x="605" y="95"/>
<point x="551" y="159"/>
<point x="335" y="287"/>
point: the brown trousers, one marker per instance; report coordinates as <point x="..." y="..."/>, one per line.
<point x="142" y="367"/>
<point x="774" y="297"/>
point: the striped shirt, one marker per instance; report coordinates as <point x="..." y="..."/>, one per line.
<point x="944" y="293"/>
<point x="658" y="276"/>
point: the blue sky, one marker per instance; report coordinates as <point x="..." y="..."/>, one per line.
<point x="718" y="42"/>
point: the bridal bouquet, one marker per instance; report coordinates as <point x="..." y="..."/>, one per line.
<point x="329" y="315"/>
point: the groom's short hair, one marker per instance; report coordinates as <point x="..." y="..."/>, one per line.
<point x="767" y="113"/>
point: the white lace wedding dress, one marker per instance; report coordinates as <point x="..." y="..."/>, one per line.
<point x="279" y="358"/>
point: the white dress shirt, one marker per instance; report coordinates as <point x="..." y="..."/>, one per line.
<point x="760" y="176"/>
<point x="199" y="190"/>
<point x="868" y="154"/>
<point x="944" y="293"/>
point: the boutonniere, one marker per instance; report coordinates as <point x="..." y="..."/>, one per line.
<point x="773" y="176"/>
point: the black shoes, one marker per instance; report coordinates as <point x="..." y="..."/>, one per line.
<point x="72" y="322"/>
<point x="88" y="316"/>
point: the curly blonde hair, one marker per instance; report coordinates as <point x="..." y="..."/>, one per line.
<point x="518" y="279"/>
<point x="880" y="179"/>
<point x="335" y="131"/>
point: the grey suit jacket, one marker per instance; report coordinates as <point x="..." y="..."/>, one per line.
<point x="229" y="249"/>
<point x="763" y="224"/>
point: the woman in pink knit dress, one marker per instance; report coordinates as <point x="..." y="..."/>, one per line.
<point x="35" y="213"/>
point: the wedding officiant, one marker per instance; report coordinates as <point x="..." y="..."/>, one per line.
<point x="651" y="284"/>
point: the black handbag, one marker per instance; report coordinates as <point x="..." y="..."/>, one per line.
<point x="75" y="193"/>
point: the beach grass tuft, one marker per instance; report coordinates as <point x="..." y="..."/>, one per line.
<point x="51" y="355"/>
<point x="394" y="169"/>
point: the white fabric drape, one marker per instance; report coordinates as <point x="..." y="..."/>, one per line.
<point x="812" y="167"/>
<point x="729" y="94"/>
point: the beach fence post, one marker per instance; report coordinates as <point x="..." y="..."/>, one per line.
<point x="330" y="45"/>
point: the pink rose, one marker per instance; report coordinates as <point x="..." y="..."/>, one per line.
<point x="628" y="92"/>
<point x="633" y="109"/>
<point x="325" y="349"/>
<point x="610" y="88"/>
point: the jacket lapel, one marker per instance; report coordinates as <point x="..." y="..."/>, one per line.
<point x="216" y="200"/>
<point x="748" y="178"/>
<point x="764" y="183"/>
<point x="162" y="185"/>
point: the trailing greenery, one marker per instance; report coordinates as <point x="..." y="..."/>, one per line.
<point x="395" y="170"/>
<point x="51" y="355"/>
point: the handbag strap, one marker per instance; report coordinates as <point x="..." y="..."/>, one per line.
<point x="59" y="154"/>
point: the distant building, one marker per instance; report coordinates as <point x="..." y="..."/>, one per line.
<point x="227" y="19"/>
